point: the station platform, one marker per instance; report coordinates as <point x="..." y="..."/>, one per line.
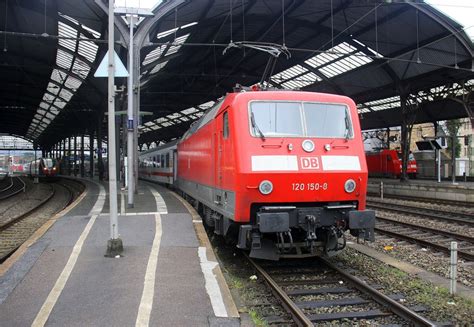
<point x="167" y="276"/>
<point x="429" y="189"/>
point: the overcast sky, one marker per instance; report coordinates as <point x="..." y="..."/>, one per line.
<point x="460" y="10"/>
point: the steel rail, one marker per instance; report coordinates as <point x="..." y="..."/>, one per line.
<point x="422" y="199"/>
<point x="302" y="320"/>
<point x="465" y="255"/>
<point x="15" y="191"/>
<point x="9" y="186"/>
<point x="298" y="315"/>
<point x="26" y="214"/>
<point x="382" y="299"/>
<point x="464" y="218"/>
<point x="429" y="230"/>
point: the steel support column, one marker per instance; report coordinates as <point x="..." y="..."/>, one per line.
<point x="91" y="153"/>
<point x="74" y="167"/>
<point x="132" y="121"/>
<point x="69" y="156"/>
<point x="100" y="163"/>
<point x="82" y="156"/>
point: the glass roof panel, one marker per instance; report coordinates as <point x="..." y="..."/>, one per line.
<point x="65" y="94"/>
<point x="174" y="116"/>
<point x="383" y="104"/>
<point x="166" y="33"/>
<point x="72" y="83"/>
<point x="88" y="50"/>
<point x="189" y="111"/>
<point x="60" y="103"/>
<point x="177" y="44"/>
<point x="154" y="55"/>
<point x="64" y="59"/>
<point x="65" y="30"/>
<point x="158" y="67"/>
<point x="81" y="68"/>
<point x="90" y="30"/>
<point x="48" y="98"/>
<point x="206" y="105"/>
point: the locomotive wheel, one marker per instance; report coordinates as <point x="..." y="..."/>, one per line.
<point x="208" y="220"/>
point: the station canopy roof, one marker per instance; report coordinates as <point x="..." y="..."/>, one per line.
<point x="193" y="52"/>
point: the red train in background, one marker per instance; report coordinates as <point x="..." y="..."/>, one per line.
<point x="388" y="163"/>
<point x="43" y="167"/>
<point x="282" y="172"/>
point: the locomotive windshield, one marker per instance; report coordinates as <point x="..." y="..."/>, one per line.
<point x="307" y="119"/>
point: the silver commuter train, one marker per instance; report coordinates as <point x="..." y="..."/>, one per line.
<point x="158" y="164"/>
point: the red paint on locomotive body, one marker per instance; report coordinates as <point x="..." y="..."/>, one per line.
<point x="240" y="162"/>
<point x="284" y="170"/>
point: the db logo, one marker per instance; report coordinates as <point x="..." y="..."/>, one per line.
<point x="309" y="163"/>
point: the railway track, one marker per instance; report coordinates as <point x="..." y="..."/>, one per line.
<point x="18" y="229"/>
<point x="317" y="292"/>
<point x="429" y="237"/>
<point x="441" y="215"/>
<point x="425" y="200"/>
<point x="11" y="188"/>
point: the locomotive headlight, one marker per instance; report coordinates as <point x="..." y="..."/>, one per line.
<point x="350" y="186"/>
<point x="308" y="145"/>
<point x="265" y="187"/>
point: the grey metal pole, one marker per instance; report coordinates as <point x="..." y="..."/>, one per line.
<point x="91" y="153"/>
<point x="114" y="245"/>
<point x="453" y="267"/>
<point x="439" y="165"/>
<point x="131" y="122"/>
<point x="82" y="156"/>
<point x="75" y="156"/>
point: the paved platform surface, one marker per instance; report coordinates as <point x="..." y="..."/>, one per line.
<point x="431" y="189"/>
<point x="167" y="276"/>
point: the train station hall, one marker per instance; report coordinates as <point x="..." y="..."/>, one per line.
<point x="234" y="163"/>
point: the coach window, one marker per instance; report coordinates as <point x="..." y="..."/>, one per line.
<point x="226" y="125"/>
<point x="167" y="161"/>
<point x="162" y="161"/>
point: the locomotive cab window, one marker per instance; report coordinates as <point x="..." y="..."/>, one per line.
<point x="225" y="118"/>
<point x="300" y="119"/>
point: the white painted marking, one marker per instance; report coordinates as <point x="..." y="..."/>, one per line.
<point x="146" y="303"/>
<point x="340" y="163"/>
<point x="274" y="163"/>
<point x="212" y="287"/>
<point x="48" y="305"/>
<point x="149" y="213"/>
<point x="197" y="221"/>
<point x="160" y="203"/>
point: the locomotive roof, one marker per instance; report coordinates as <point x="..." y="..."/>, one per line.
<point x="367" y="50"/>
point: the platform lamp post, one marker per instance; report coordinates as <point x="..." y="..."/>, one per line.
<point x="114" y="244"/>
<point x="131" y="15"/>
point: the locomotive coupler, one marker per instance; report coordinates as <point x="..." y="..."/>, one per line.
<point x="311" y="223"/>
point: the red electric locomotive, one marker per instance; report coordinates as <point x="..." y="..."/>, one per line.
<point x="284" y="171"/>
<point x="388" y="163"/>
